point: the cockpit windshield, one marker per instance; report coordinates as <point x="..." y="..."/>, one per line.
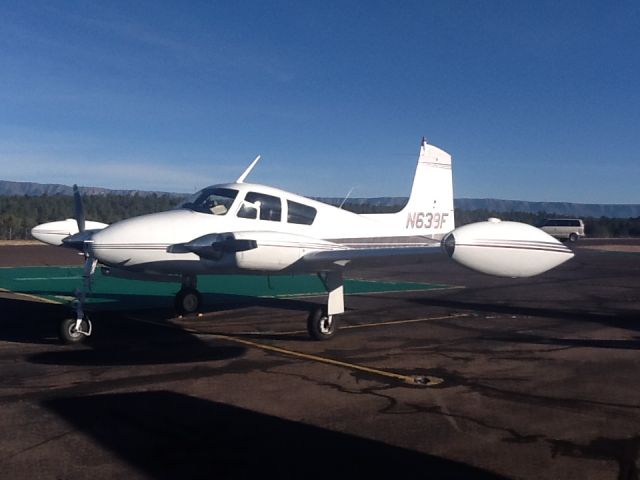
<point x="216" y="201"/>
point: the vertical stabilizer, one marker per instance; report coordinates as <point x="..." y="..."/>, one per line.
<point x="429" y="211"/>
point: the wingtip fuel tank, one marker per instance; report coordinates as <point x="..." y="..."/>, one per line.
<point x="54" y="233"/>
<point x="505" y="249"/>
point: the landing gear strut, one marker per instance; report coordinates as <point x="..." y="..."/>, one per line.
<point x="188" y="299"/>
<point x="322" y="323"/>
<point x="75" y="330"/>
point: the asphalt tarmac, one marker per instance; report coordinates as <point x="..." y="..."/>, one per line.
<point x="489" y="378"/>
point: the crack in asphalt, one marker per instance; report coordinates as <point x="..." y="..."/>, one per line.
<point x="373" y="391"/>
<point x="34" y="446"/>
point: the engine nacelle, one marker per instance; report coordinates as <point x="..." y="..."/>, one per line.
<point x="276" y="251"/>
<point x="505" y="249"/>
<point x="54" y="232"/>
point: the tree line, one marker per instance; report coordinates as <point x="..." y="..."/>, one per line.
<point x="19" y="214"/>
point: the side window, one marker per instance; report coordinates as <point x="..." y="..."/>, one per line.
<point x="247" y="210"/>
<point x="299" y="213"/>
<point x="268" y="206"/>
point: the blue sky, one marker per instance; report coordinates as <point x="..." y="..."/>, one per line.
<point x="535" y="100"/>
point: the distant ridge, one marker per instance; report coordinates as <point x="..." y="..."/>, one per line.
<point x="564" y="209"/>
<point x="500" y="206"/>
<point x="32" y="189"/>
<point x="558" y="208"/>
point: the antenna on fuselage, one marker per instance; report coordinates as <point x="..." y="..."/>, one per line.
<point x="248" y="170"/>
<point x="345" y="198"/>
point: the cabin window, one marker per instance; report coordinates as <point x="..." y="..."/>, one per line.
<point x="259" y="205"/>
<point x="299" y="213"/>
<point x="215" y="201"/>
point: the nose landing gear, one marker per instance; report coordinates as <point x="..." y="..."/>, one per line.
<point x="71" y="333"/>
<point x="75" y="330"/>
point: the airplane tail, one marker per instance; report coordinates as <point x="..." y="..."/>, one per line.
<point x="429" y="211"/>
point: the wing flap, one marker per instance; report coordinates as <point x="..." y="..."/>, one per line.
<point x="360" y="257"/>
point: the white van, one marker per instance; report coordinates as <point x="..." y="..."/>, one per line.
<point x="564" y="228"/>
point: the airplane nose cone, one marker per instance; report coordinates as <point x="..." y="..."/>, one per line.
<point x="146" y="238"/>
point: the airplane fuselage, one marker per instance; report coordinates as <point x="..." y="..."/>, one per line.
<point x="292" y="227"/>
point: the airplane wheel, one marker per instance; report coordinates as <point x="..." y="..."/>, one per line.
<point x="188" y="300"/>
<point x="320" y="325"/>
<point x="68" y="332"/>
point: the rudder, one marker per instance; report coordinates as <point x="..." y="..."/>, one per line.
<point x="429" y="210"/>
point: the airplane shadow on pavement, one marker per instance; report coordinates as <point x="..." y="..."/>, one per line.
<point x="621" y="318"/>
<point x="121" y="341"/>
<point x="28" y="321"/>
<point x="169" y="435"/>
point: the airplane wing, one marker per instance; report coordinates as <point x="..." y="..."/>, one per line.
<point x="297" y="253"/>
<point x="371" y="256"/>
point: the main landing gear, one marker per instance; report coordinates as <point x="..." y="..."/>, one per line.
<point x="188" y="300"/>
<point x="322" y="323"/>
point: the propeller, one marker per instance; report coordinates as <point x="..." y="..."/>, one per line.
<point x="78" y="208"/>
<point x="77" y="240"/>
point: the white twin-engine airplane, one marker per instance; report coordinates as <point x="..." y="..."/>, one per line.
<point x="240" y="228"/>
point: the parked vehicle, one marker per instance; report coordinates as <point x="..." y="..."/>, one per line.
<point x="564" y="228"/>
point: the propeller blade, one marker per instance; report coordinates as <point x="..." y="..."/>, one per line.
<point x="79" y="208"/>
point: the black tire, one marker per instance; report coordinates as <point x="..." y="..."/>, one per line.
<point x="573" y="237"/>
<point x="188" y="300"/>
<point x="68" y="333"/>
<point x="320" y="325"/>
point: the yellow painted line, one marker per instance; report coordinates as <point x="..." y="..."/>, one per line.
<point x="31" y="297"/>
<point x="425" y="381"/>
<point x="428" y="380"/>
